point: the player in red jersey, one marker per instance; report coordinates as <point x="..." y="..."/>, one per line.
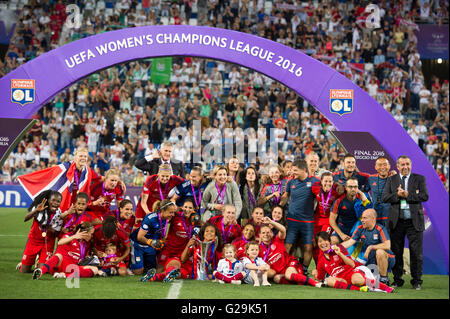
<point x="257" y="219"/>
<point x="180" y="231"/>
<point x="284" y="268"/>
<point x="248" y="235"/>
<point x="326" y="194"/>
<point x="189" y="265"/>
<point x="156" y="188"/>
<point x="110" y="232"/>
<point x="41" y="238"/>
<point x="227" y="224"/>
<point x="124" y="215"/>
<point x="343" y="271"/>
<point x="76" y="214"/>
<point x="103" y="193"/>
<point x="209" y="233"/>
<point x="72" y="248"/>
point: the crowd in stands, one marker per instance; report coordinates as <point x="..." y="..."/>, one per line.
<point x="121" y="116"/>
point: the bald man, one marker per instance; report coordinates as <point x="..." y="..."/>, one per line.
<point x="376" y="243"/>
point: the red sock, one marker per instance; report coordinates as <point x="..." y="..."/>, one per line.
<point x="159" y="277"/>
<point x="343" y="285"/>
<point x="303" y="280"/>
<point x="50" y="264"/>
<point x="222" y="277"/>
<point x="238" y="276"/>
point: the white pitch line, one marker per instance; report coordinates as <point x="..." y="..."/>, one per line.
<point x="175" y="289"/>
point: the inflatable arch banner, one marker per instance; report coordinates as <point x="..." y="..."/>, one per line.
<point x="348" y="107"/>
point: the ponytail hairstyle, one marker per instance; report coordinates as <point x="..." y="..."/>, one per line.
<point x="160" y="205"/>
<point x="43" y="195"/>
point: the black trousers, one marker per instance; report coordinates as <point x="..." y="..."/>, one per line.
<point x="415" y="238"/>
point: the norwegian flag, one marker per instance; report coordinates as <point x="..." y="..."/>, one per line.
<point x="59" y="178"/>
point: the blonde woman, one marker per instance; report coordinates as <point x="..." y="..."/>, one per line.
<point x="156" y="188"/>
<point x="103" y="193"/>
<point x="219" y="193"/>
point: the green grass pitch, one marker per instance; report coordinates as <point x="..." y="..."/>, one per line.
<point x="14" y="285"/>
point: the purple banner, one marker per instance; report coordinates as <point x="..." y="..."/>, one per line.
<point x="365" y="148"/>
<point x="11" y="131"/>
<point x="347" y="106"/>
<point x="432" y="41"/>
<point x="133" y="193"/>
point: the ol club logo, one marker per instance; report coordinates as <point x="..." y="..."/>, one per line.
<point x="22" y="91"/>
<point x="341" y="101"/>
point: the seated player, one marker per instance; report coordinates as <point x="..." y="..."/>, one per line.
<point x="72" y="248"/>
<point x="284" y="268"/>
<point x="343" y="271"/>
<point x="376" y="244"/>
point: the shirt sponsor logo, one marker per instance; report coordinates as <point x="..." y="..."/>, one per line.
<point x="341" y="101"/>
<point x="22" y="91"/>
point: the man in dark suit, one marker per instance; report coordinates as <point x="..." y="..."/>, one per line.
<point x="151" y="165"/>
<point x="405" y="192"/>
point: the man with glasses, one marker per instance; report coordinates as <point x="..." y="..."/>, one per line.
<point x="346" y="210"/>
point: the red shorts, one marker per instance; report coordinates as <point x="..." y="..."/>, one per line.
<point x="34" y="248"/>
<point x="70" y="265"/>
<point x="293" y="262"/>
<point x="165" y="255"/>
<point x="186" y="268"/>
<point x="322" y="224"/>
<point x="347" y="275"/>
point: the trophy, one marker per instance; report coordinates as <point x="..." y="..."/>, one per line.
<point x="203" y="258"/>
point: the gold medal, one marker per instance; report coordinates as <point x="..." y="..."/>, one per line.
<point x="44" y="234"/>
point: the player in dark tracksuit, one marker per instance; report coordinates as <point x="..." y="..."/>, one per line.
<point x="376" y="185"/>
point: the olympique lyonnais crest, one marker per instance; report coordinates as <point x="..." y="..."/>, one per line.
<point x="341" y="101"/>
<point x="22" y="91"/>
